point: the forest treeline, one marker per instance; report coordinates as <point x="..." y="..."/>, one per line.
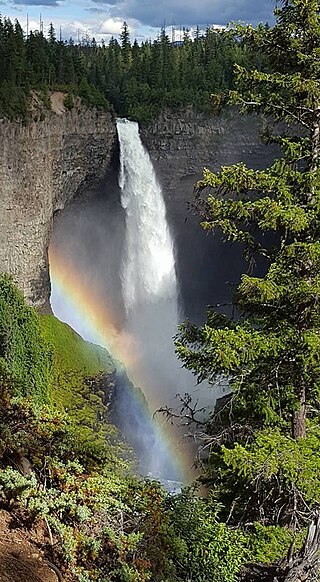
<point x="137" y="80"/>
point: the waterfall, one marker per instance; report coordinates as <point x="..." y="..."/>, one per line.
<point x="141" y="341"/>
<point x="148" y="270"/>
<point x="149" y="282"/>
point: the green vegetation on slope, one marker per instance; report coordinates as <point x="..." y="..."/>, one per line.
<point x="63" y="464"/>
<point x="23" y="357"/>
<point x="74" y="363"/>
<point x="82" y="376"/>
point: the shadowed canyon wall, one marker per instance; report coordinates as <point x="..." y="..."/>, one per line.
<point x="181" y="144"/>
<point x="43" y="165"/>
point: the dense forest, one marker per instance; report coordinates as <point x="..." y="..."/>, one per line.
<point x="137" y="80"/>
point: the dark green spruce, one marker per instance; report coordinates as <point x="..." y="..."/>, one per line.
<point x="264" y="463"/>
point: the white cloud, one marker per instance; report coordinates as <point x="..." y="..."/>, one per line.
<point x="111" y="26"/>
<point x="102" y="19"/>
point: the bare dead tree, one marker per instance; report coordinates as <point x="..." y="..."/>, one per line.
<point x="186" y="414"/>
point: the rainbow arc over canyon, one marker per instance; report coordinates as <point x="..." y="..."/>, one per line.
<point x="77" y="302"/>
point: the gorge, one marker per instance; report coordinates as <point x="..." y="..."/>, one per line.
<point x="141" y="336"/>
<point x="70" y="164"/>
<point x="71" y="154"/>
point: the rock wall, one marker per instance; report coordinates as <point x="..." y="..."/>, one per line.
<point x="46" y="164"/>
<point x="43" y="165"/>
<point x="181" y="144"/>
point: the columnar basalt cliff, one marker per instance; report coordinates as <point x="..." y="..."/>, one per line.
<point x="43" y="165"/>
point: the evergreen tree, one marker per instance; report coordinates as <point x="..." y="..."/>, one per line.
<point x="139" y="80"/>
<point x="263" y="463"/>
<point x="125" y="45"/>
<point x="51" y="34"/>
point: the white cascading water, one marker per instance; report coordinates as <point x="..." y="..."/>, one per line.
<point x="150" y="298"/>
<point x="149" y="266"/>
<point x="149" y="281"/>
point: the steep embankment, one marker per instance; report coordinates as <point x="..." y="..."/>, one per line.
<point x="82" y="377"/>
<point x="43" y="165"/>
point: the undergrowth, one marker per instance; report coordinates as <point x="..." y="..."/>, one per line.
<point x="104" y="524"/>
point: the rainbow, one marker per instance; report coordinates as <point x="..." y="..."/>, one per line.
<point x="77" y="302"/>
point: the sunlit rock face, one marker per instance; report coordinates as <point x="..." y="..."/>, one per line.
<point x="43" y="165"/>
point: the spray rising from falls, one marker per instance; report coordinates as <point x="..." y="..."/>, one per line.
<point x="143" y="343"/>
<point x="150" y="289"/>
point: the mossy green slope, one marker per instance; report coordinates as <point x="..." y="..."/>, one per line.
<point x="82" y="384"/>
<point x="24" y="356"/>
<point x="74" y="363"/>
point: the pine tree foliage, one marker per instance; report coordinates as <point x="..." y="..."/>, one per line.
<point x="138" y="80"/>
<point x="263" y="460"/>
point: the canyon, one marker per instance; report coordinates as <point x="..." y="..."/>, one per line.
<point x="69" y="155"/>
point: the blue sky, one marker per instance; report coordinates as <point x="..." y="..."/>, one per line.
<point x="103" y="18"/>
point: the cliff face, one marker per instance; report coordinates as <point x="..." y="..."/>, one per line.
<point x="181" y="144"/>
<point x="47" y="163"/>
<point x="42" y="167"/>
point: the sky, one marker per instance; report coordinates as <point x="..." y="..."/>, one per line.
<point x="102" y="19"/>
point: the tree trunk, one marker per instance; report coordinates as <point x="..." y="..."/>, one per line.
<point x="315" y="143"/>
<point x="305" y="566"/>
<point x="299" y="430"/>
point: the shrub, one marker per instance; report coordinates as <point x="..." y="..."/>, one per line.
<point x="68" y="101"/>
<point x="24" y="354"/>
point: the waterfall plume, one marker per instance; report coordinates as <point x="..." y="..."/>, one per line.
<point x="149" y="282"/>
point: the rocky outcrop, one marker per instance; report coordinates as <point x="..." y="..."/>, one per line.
<point x="43" y="165"/>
